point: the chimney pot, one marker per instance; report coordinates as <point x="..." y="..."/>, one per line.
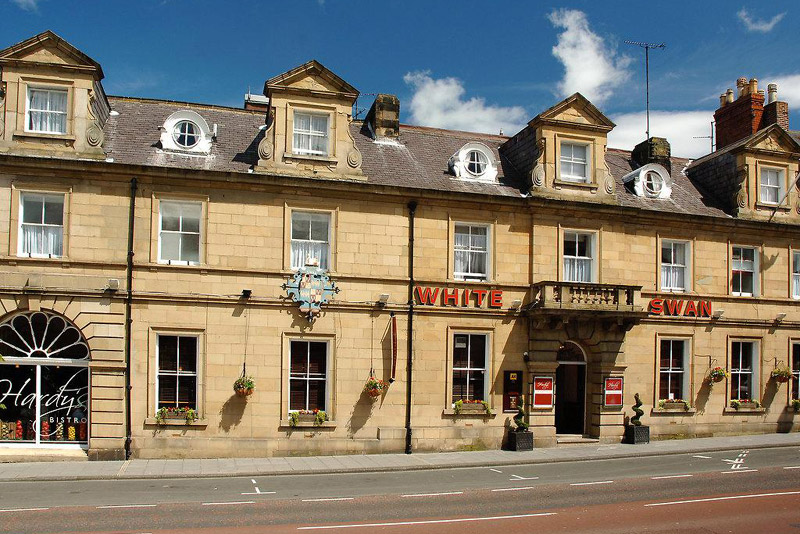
<point x="722" y="100"/>
<point x="729" y="96"/>
<point x="753" y="86"/>
<point x="772" y="93"/>
<point x="741" y="85"/>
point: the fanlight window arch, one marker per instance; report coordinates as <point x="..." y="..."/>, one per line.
<point x="41" y="335"/>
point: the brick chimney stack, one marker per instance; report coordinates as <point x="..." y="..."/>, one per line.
<point x="384" y="116"/>
<point x="747" y="114"/>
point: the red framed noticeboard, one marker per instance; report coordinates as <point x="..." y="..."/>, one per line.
<point x="612" y="391"/>
<point x="543" y="392"/>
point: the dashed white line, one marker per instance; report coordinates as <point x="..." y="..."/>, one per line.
<point x="671" y="476"/>
<point x="592" y="483"/>
<point x="514" y="489"/>
<point x="710" y="499"/>
<point x="741" y="471"/>
<point x="108" y="506"/>
<point x="517" y="477"/>
<point x="433" y="494"/>
<point x="330" y="499"/>
<point x="258" y="493"/>
<point x="701" y="456"/>
<point x="24" y="509"/>
<point x="427" y="522"/>
<point x="227" y="503"/>
<point x="495" y="470"/>
<point x="793" y="467"/>
<point x="253" y="481"/>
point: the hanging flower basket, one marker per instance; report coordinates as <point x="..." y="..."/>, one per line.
<point x="781" y="374"/>
<point x="374" y="387"/>
<point x="717" y="374"/>
<point x="244" y="386"/>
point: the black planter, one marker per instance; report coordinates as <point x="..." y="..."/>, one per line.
<point x="637" y="434"/>
<point x="520" y="441"/>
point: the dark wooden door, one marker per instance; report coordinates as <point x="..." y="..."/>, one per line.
<point x="570" y="399"/>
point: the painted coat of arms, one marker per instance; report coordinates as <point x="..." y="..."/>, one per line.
<point x="311" y="287"/>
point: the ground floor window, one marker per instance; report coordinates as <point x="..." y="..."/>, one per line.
<point x="308" y="375"/>
<point x="795" y="392"/>
<point x="743" y="370"/>
<point x="672" y="382"/>
<point x="469" y="366"/>
<point x="176" y="381"/>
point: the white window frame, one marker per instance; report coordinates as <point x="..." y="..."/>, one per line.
<point x="763" y="187"/>
<point x="178" y="131"/>
<point x="587" y="178"/>
<point x="181" y="232"/>
<point x="311" y="133"/>
<point x="740" y="371"/>
<point x="796" y="274"/>
<point x="592" y="257"/>
<point x="756" y="272"/>
<point x="324" y="263"/>
<point x="28" y="109"/>
<point x="671" y="243"/>
<point x="471" y="274"/>
<point x="684" y="373"/>
<point x="307" y="378"/>
<point x="794" y="363"/>
<point x="470" y="369"/>
<point x="61" y="199"/>
<point x="178" y="372"/>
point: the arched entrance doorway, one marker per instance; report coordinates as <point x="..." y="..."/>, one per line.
<point x="570" y="390"/>
<point x="44" y="381"/>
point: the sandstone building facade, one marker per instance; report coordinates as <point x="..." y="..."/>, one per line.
<point x="152" y="252"/>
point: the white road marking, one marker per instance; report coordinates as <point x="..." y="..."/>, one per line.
<point x="701" y="456"/>
<point x="514" y="489"/>
<point x="517" y="477"/>
<point x="592" y="483"/>
<point x="710" y="499"/>
<point x="495" y="470"/>
<point x="428" y="522"/>
<point x="793" y="467"/>
<point x="253" y="480"/>
<point x="330" y="499"/>
<point x="24" y="509"/>
<point x="433" y="494"/>
<point x="741" y="471"/>
<point x="224" y="503"/>
<point x="126" y="506"/>
<point x="260" y="493"/>
<point x="670" y="476"/>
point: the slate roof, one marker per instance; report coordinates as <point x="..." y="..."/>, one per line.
<point x="417" y="159"/>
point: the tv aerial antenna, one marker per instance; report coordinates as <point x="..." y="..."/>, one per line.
<point x="647" y="47"/>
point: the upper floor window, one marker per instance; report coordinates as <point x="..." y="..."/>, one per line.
<point x="186" y="131"/>
<point x="41" y="225"/>
<point x="474" y="161"/>
<point x="471" y="252"/>
<point x="47" y="111"/>
<point x="744" y="363"/>
<point x="578" y="257"/>
<point x="310" y="134"/>
<point x="469" y="366"/>
<point x="179" y="235"/>
<point x="673" y="265"/>
<point x="176" y="381"/>
<point x="771" y="185"/>
<point x="673" y="376"/>
<point x="308" y="375"/>
<point x="186" y="134"/>
<point x="744" y="271"/>
<point x="310" y="238"/>
<point x="574" y="162"/>
<point x="796" y="274"/>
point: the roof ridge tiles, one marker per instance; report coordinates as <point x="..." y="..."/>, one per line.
<point x="183" y="103"/>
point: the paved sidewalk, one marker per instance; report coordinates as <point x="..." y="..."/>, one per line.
<point x="227" y="467"/>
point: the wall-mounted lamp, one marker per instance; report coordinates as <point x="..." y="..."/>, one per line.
<point x="246" y="293"/>
<point x="526" y="357"/>
<point x="383" y="298"/>
<point x="516" y="304"/>
<point x="780" y="317"/>
<point x="112" y="284"/>
<point x="717" y="314"/>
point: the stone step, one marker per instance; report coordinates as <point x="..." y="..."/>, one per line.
<point x="574" y="439"/>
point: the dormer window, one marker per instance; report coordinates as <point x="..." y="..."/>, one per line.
<point x="574" y="162"/>
<point x="186" y="131"/>
<point x="310" y="134"/>
<point x="653" y="184"/>
<point x="186" y="134"/>
<point x="771" y="185"/>
<point x="474" y="161"/>
<point x="650" y="181"/>
<point x="47" y="111"/>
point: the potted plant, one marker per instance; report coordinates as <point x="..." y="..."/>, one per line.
<point x="635" y="432"/>
<point x="673" y="405"/>
<point x="244" y="386"/>
<point x="796" y="405"/>
<point x="781" y="374"/>
<point x="374" y="387"/>
<point x="187" y="414"/>
<point x="717" y="374"/>
<point x="745" y="404"/>
<point x="471" y="406"/>
<point x="520" y="438"/>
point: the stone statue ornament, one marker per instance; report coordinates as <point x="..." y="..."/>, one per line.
<point x="310" y="287"/>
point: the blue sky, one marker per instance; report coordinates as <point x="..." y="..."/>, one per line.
<point x="470" y="65"/>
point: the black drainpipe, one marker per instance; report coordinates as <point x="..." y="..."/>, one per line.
<point x="128" y="320"/>
<point x="412" y="208"/>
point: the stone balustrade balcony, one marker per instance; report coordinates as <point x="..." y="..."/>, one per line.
<point x="578" y="297"/>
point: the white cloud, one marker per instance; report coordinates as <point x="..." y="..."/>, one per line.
<point x="788" y="89"/>
<point x="440" y="103"/>
<point x="762" y="26"/>
<point x="27" y="5"/>
<point x="591" y="67"/>
<point x="678" y="127"/>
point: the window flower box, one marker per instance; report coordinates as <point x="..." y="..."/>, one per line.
<point x="471" y="407"/>
<point x="188" y="415"/>
<point x="673" y="405"/>
<point x="795" y="404"/>
<point x="305" y="417"/>
<point x="745" y="404"/>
